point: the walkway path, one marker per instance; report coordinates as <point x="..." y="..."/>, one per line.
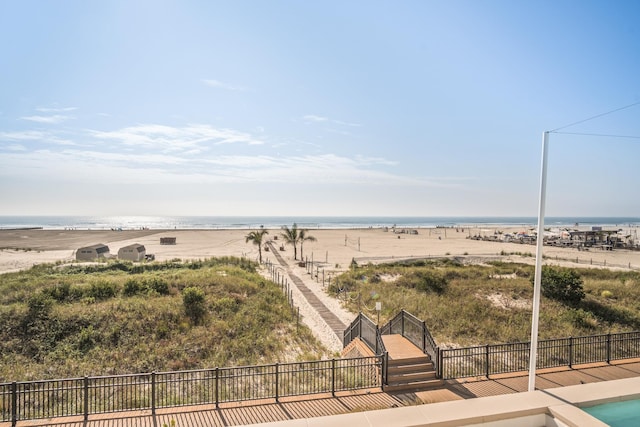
<point x="327" y="315"/>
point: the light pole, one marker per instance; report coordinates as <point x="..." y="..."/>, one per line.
<point x="533" y="351"/>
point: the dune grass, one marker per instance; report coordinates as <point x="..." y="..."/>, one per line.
<point x="117" y="317"/>
<point x="466" y="305"/>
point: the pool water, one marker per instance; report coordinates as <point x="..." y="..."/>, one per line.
<point x="617" y="414"/>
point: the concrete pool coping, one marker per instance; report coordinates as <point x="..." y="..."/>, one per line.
<point x="558" y="407"/>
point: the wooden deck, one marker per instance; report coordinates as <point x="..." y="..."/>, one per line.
<point x="322" y="405"/>
<point x="399" y="347"/>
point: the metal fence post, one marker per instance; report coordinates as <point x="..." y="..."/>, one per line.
<point x="609" y="348"/>
<point x="14" y="403"/>
<point x="486" y="360"/>
<point x="402" y="324"/>
<point x="333" y="377"/>
<point x="86" y="398"/>
<point x="385" y="368"/>
<point x="217" y="382"/>
<point x="153" y="393"/>
<point x="277" y="385"/>
<point x="570" y="352"/>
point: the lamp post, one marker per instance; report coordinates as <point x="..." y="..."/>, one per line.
<point x="533" y="351"/>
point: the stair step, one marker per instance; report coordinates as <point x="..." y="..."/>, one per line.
<point x="412" y="376"/>
<point x="410" y="361"/>
<point x="413" y="386"/>
<point x="399" y="369"/>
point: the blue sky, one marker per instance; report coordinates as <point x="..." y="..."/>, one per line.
<point x="423" y="108"/>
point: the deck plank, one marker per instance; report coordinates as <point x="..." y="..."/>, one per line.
<point x="299" y="407"/>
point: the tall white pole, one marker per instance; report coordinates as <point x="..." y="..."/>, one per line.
<point x="538" y="273"/>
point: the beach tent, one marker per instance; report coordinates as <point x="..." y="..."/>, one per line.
<point x="134" y="252"/>
<point x="92" y="252"/>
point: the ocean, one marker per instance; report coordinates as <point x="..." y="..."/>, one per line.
<point x="309" y="222"/>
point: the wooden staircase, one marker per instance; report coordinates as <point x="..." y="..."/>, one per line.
<point x="412" y="374"/>
<point x="408" y="368"/>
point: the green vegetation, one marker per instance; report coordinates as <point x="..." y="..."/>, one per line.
<point x="486" y="304"/>
<point x="562" y="285"/>
<point x="118" y="317"/>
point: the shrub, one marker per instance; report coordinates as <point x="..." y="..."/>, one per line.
<point x="194" y="303"/>
<point x="103" y="289"/>
<point x="132" y="287"/>
<point x="564" y="286"/>
<point x="59" y="292"/>
<point x="581" y="319"/>
<point x="158" y="285"/>
<point x="424" y="280"/>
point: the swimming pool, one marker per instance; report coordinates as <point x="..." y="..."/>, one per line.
<point x="617" y="414"/>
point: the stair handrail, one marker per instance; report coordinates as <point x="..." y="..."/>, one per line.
<point x="425" y="342"/>
<point x="368" y="331"/>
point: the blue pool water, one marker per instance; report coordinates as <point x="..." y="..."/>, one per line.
<point x="617" y="414"/>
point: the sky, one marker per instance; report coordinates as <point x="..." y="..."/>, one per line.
<point x="332" y="108"/>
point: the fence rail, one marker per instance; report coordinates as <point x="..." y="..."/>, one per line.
<point x="494" y="359"/>
<point x="150" y="391"/>
<point x="514" y="357"/>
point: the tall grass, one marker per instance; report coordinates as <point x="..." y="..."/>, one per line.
<point x="116" y="318"/>
<point x="459" y="310"/>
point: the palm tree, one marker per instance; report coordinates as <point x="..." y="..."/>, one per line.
<point x="291" y="236"/>
<point x="302" y="237"/>
<point x="256" y="238"/>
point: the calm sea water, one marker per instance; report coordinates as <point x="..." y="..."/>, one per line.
<point x="242" y="222"/>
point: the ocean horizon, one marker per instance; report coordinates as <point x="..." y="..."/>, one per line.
<point x="310" y="222"/>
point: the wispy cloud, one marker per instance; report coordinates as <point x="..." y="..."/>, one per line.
<point x="56" y="109"/>
<point x="53" y="119"/>
<point x="221" y="85"/>
<point x="189" y="154"/>
<point x="35" y="135"/>
<point x="168" y="138"/>
<point x="312" y="118"/>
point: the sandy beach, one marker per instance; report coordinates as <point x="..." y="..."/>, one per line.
<point x="333" y="250"/>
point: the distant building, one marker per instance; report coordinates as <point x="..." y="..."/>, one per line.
<point x="135" y="252"/>
<point x="89" y="253"/>
<point x="167" y="240"/>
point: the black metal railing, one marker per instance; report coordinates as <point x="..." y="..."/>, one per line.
<point x="416" y="331"/>
<point x="150" y="391"/>
<point x="364" y="328"/>
<point x="493" y="359"/>
<point x="552" y="353"/>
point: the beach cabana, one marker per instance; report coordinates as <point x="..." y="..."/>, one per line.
<point x="135" y="252"/>
<point x="89" y="253"/>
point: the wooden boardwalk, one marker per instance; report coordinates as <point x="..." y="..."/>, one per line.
<point x="327" y="315"/>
